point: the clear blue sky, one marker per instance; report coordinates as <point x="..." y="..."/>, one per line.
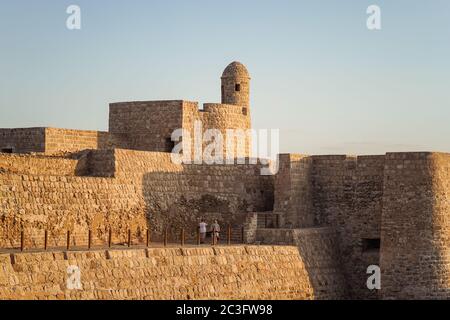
<point x="318" y="74"/>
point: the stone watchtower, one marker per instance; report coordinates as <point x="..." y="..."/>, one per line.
<point x="236" y="86"/>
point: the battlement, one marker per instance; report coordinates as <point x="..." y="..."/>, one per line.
<point x="224" y="109"/>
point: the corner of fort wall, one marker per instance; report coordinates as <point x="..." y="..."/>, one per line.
<point x="341" y="192"/>
<point x="415" y="232"/>
<point x="319" y="249"/>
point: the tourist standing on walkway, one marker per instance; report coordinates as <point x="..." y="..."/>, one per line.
<point x="216" y="232"/>
<point x="202" y="229"/>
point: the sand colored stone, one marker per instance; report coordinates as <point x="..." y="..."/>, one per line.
<point x="338" y="213"/>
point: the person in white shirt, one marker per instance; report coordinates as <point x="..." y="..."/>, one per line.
<point x="202" y="229"/>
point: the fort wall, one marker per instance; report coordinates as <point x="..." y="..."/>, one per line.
<point x="343" y="213"/>
<point x="342" y="192"/>
<point x="134" y="190"/>
<point x="51" y="140"/>
<point x="24" y="140"/>
<point x="319" y="249"/>
<point x="64" y="140"/>
<point x="249" y="272"/>
<point x="293" y="191"/>
<point x="145" y="125"/>
<point x="415" y="232"/>
<point x="43" y="165"/>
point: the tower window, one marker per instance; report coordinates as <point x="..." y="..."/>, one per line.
<point x="371" y="245"/>
<point x="244" y="111"/>
<point x="237" y="87"/>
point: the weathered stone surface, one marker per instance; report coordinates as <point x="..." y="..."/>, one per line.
<point x="344" y="213"/>
<point x="124" y="190"/>
<point x="188" y="273"/>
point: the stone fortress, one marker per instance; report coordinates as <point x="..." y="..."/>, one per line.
<point x="311" y="230"/>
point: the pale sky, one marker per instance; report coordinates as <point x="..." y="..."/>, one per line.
<point x="318" y="74"/>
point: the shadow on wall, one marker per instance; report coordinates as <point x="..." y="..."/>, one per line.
<point x="178" y="201"/>
<point x="318" y="250"/>
<point x="82" y="167"/>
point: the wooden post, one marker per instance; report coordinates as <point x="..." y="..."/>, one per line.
<point x="165" y="237"/>
<point x="265" y="220"/>
<point x="198" y="236"/>
<point x="182" y="237"/>
<point x="129" y="238"/>
<point x="110" y="238"/>
<point x="45" y="240"/>
<point x="68" y="240"/>
<point x="242" y="235"/>
<point x="89" y="239"/>
<point x="229" y="234"/>
<point x="278" y="221"/>
<point x="22" y="241"/>
<point x="148" y="238"/>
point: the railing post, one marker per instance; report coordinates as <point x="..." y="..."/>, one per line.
<point x="109" y="238"/>
<point x="242" y="235"/>
<point x="229" y="235"/>
<point x="129" y="238"/>
<point x="278" y="221"/>
<point x="182" y="237"/>
<point x="148" y="238"/>
<point x="68" y="240"/>
<point x="165" y="237"/>
<point x="198" y="236"/>
<point x="22" y="241"/>
<point x="89" y="239"/>
<point x="265" y="220"/>
<point x="45" y="240"/>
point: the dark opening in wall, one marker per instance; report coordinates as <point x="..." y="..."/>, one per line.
<point x="244" y="111"/>
<point x="371" y="245"/>
<point x="237" y="87"/>
<point x="170" y="145"/>
<point x="7" y="150"/>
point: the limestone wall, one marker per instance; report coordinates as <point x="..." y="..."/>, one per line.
<point x="127" y="189"/>
<point x="293" y="191"/>
<point x="343" y="192"/>
<point x="144" y="125"/>
<point x="319" y="249"/>
<point x="415" y="232"/>
<point x="64" y="140"/>
<point x="191" y="273"/>
<point x="51" y="140"/>
<point x="43" y="165"/>
<point x="24" y="140"/>
<point x="223" y="117"/>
